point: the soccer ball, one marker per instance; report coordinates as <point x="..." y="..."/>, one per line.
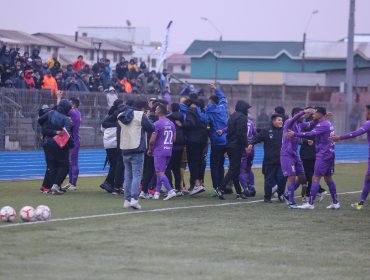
<point x="42" y="213"/>
<point x="27" y="214"/>
<point x="7" y="214"/>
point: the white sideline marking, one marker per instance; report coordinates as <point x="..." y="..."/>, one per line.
<point x="146" y="211"/>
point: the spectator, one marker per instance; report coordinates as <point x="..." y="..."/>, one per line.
<point x="126" y="84"/>
<point x="111" y="96"/>
<point x="55" y="69"/>
<point x="38" y="77"/>
<point x="78" y="64"/>
<point x="52" y="60"/>
<point x="122" y="68"/>
<point x="71" y="84"/>
<point x="133" y="69"/>
<point x="69" y="71"/>
<point x="142" y="81"/>
<point x="19" y="82"/>
<point x="60" y="80"/>
<point x="28" y="78"/>
<point x="36" y="54"/>
<point x="49" y="82"/>
<point x="167" y="95"/>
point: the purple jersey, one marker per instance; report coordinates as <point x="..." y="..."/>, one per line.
<point x="324" y="146"/>
<point x="165" y="131"/>
<point x="365" y="128"/>
<point x="76" y="123"/>
<point x="290" y="145"/>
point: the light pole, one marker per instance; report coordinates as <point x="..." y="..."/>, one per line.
<point x="304" y="39"/>
<point x="213" y="25"/>
<point x="349" y="63"/>
<point x="97" y="46"/>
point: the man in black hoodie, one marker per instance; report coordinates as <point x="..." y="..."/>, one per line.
<point x="271" y="169"/>
<point x="236" y="142"/>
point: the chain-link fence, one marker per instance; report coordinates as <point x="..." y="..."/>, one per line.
<point x="19" y="109"/>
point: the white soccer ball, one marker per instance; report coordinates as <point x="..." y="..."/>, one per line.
<point x="27" y="214"/>
<point x="42" y="213"/>
<point x="7" y="214"/>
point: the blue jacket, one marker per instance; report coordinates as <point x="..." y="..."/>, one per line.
<point x="55" y="120"/>
<point x="217" y="117"/>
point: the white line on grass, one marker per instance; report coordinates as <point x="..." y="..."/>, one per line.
<point x="146" y="211"/>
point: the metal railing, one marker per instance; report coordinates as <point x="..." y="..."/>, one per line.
<point x="19" y="109"/>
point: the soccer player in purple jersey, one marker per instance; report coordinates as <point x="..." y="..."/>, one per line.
<point x="160" y="146"/>
<point x="324" y="165"/>
<point x="75" y="116"/>
<point x="246" y="176"/>
<point x="365" y="128"/>
<point x="291" y="164"/>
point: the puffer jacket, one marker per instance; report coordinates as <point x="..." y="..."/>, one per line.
<point x="56" y="120"/>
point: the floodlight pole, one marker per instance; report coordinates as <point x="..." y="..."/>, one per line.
<point x="304" y="39"/>
<point x="349" y="63"/>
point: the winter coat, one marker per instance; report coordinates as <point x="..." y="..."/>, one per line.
<point x="217" y="116"/>
<point x="56" y="120"/>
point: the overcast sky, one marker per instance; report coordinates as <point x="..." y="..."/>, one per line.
<point x="236" y="19"/>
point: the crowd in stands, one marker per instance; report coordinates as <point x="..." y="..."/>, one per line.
<point x="28" y="71"/>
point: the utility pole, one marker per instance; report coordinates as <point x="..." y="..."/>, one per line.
<point x="304" y="39"/>
<point x="349" y="64"/>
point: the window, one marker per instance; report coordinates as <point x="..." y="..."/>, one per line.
<point x="48" y="49"/>
<point x="92" y="55"/>
<point x="183" y="67"/>
<point x="85" y="52"/>
<point x="104" y="54"/>
<point x="154" y="63"/>
<point x="114" y="57"/>
<point x="84" y="34"/>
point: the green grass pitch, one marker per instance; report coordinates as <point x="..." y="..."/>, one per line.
<point x="235" y="241"/>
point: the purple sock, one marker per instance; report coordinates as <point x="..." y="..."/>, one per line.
<point x="291" y="193"/>
<point x="333" y="191"/>
<point x="159" y="184"/>
<point x="314" y="189"/>
<point x="166" y="183"/>
<point x="251" y="178"/>
<point x="365" y="191"/>
<point x="243" y="180"/>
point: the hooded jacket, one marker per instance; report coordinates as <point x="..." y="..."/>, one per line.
<point x="195" y="128"/>
<point x="217" y="116"/>
<point x="56" y="120"/>
<point x="134" y="127"/>
<point x="180" y="134"/>
<point x="237" y="127"/>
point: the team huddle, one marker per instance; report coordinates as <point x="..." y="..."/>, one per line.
<point x="149" y="142"/>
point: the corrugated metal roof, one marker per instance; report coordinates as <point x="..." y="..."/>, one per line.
<point x="244" y="48"/>
<point x="335" y="50"/>
<point x="83" y="42"/>
<point x="20" y="37"/>
<point x="271" y="50"/>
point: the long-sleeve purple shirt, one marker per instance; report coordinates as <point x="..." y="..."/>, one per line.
<point x="324" y="146"/>
<point x="76" y="123"/>
<point x="365" y="128"/>
<point x="289" y="146"/>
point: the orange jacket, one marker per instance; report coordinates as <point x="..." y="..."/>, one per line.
<point x="127" y="85"/>
<point x="49" y="83"/>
